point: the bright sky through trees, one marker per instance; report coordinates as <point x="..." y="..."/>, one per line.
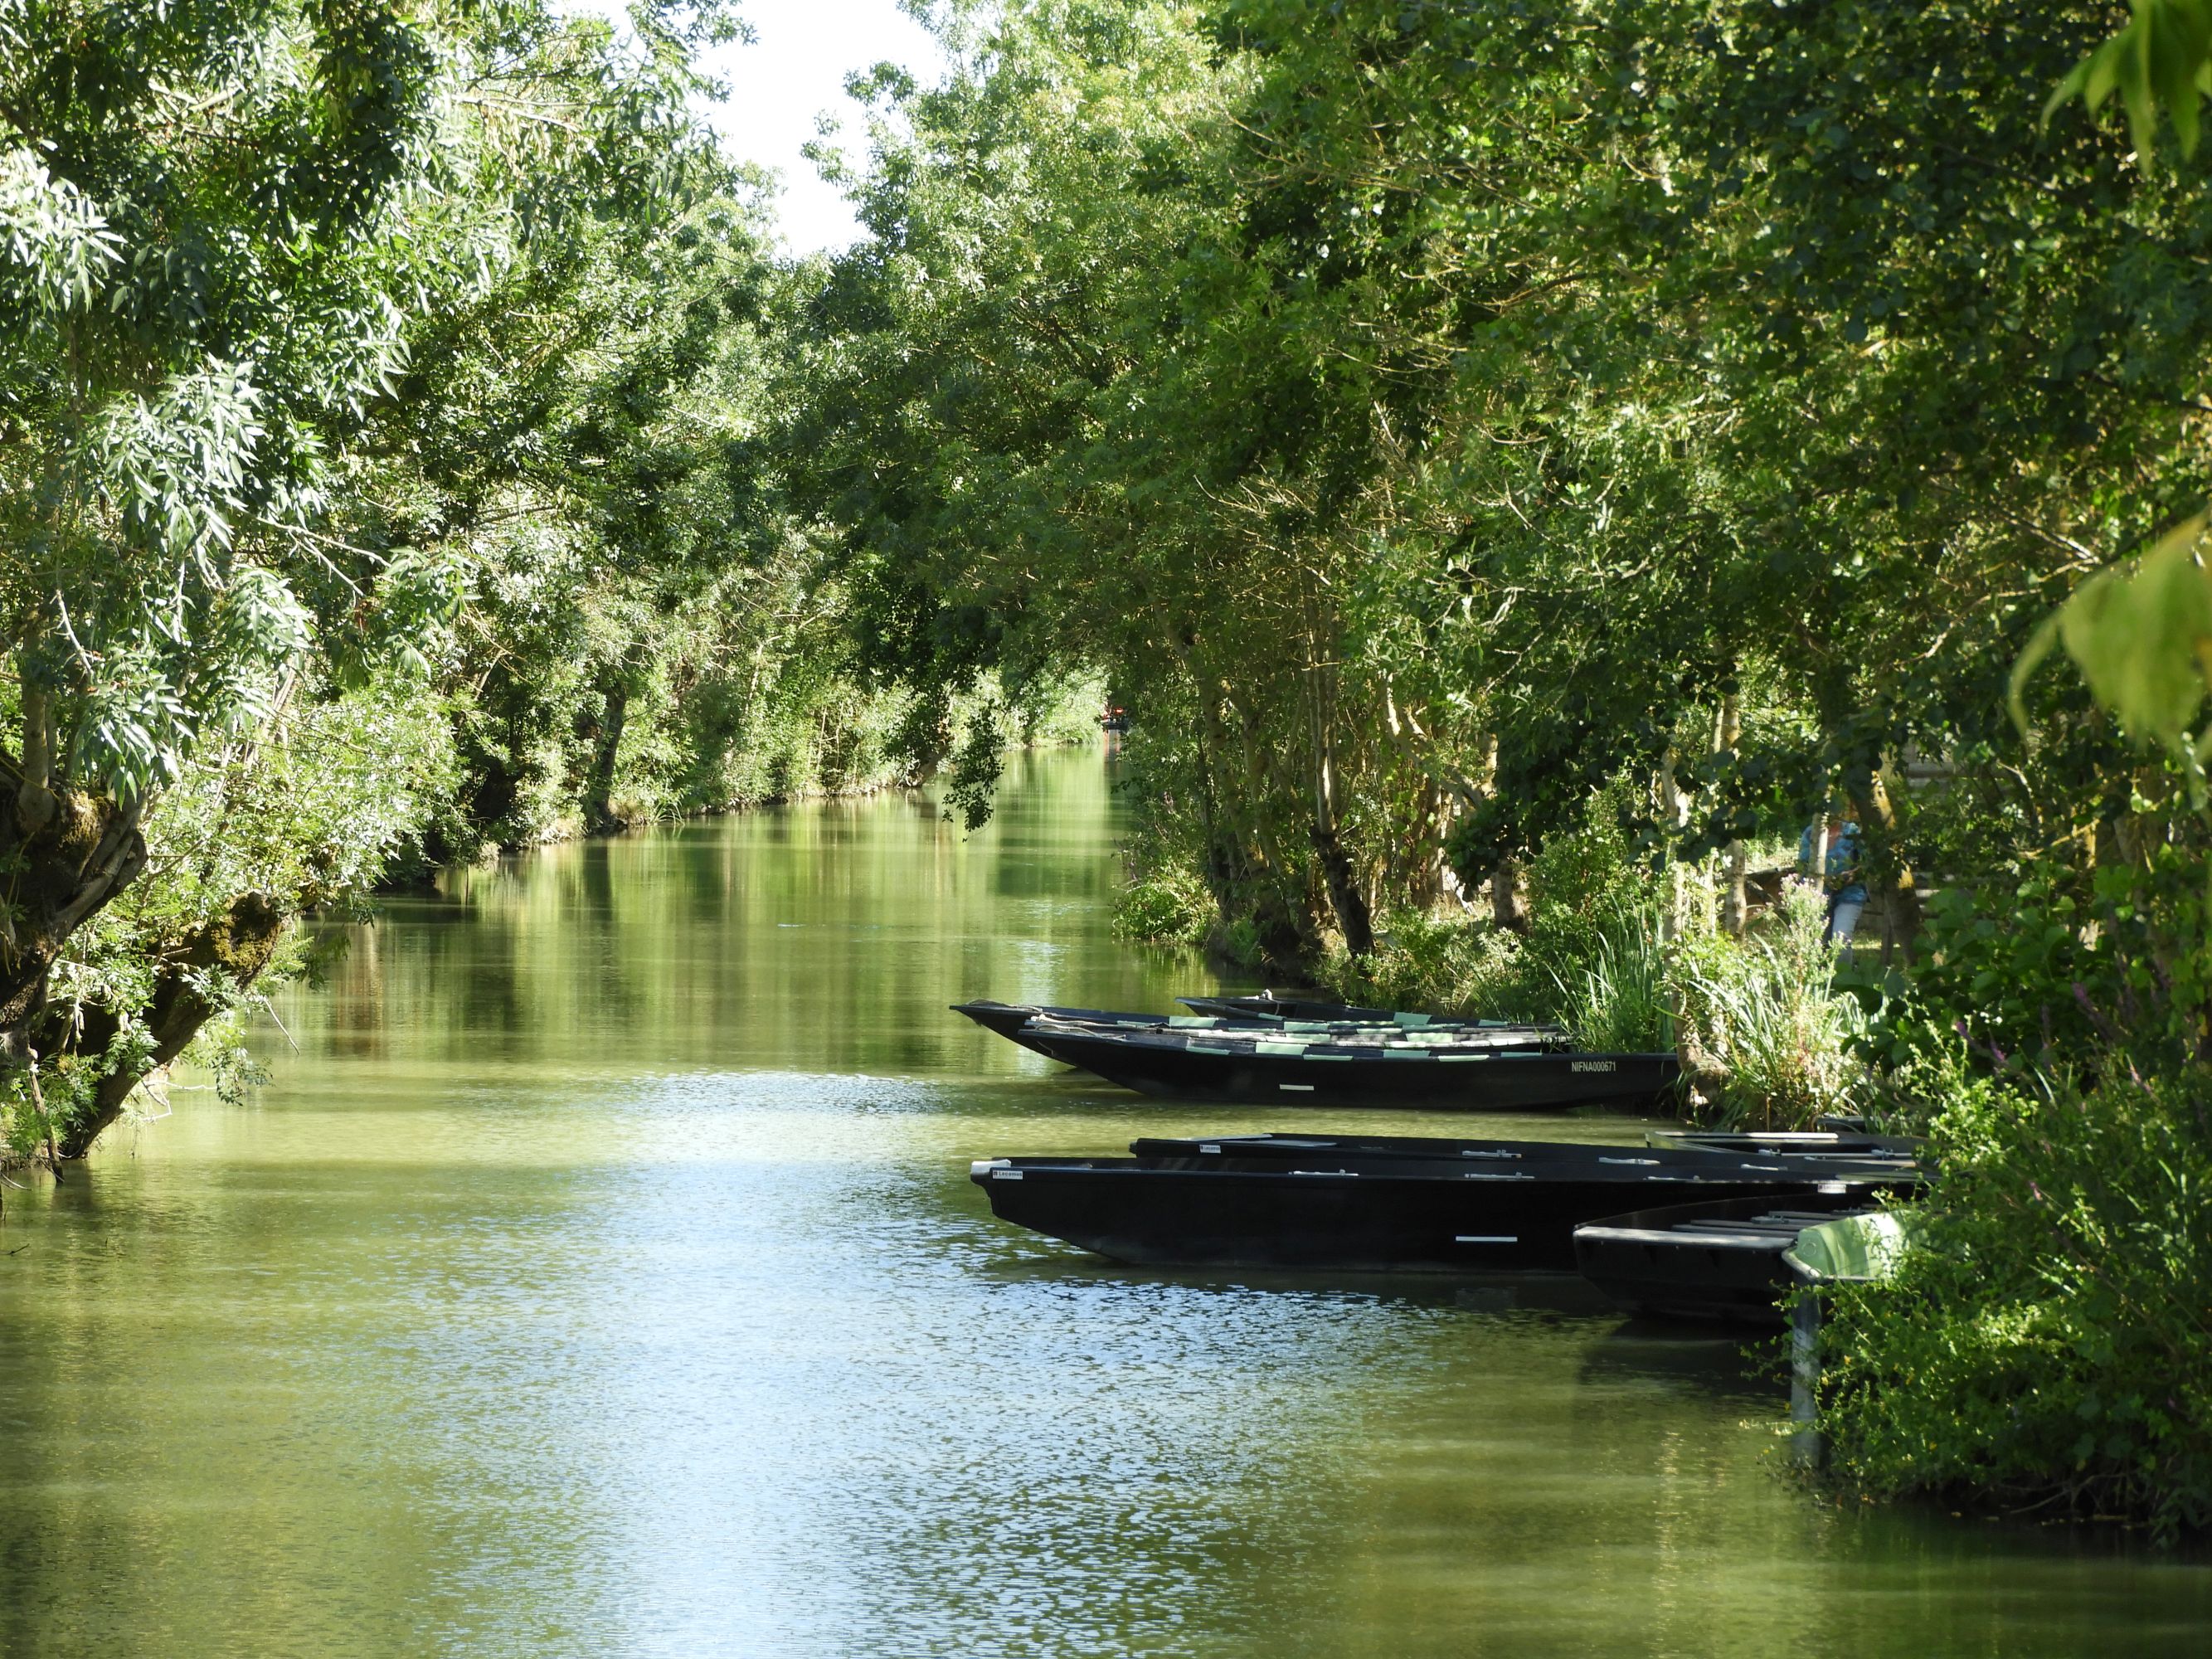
<point x="792" y="73"/>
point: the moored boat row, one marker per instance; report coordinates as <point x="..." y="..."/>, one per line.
<point x="1694" y="1222"/>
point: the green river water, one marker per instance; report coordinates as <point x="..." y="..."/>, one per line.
<point x="599" y="1275"/>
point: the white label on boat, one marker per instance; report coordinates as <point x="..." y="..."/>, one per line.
<point x="1629" y="1160"/>
<point x="1005" y="1175"/>
<point x="1487" y="1238"/>
<point x="1297" y="1088"/>
<point x="1209" y="1149"/>
<point x="1592" y="1066"/>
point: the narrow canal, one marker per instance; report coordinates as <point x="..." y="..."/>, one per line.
<point x="598" y="1274"/>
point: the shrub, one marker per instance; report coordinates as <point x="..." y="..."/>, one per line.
<point x="1611" y="980"/>
<point x="1589" y="961"/>
<point x="1768" y="1039"/>
<point x="2044" y="974"/>
<point x="1446" y="964"/>
<point x="2044" y="1345"/>
<point x="1169" y="907"/>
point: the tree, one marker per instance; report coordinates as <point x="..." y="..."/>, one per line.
<point x="221" y="220"/>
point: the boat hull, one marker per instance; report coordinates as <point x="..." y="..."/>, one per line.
<point x="1011" y="1019"/>
<point x="1502" y="1080"/>
<point x="1711" y="1261"/>
<point x="1369" y="1221"/>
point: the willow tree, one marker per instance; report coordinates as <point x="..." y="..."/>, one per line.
<point x="218" y="222"/>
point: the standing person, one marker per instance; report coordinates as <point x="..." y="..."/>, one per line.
<point x="1847" y="893"/>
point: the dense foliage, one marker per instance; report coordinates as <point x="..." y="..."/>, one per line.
<point x="1484" y="445"/>
<point x="377" y="387"/>
<point x="2041" y="1347"/>
<point x="1518" y="466"/>
<point x="1429" y="415"/>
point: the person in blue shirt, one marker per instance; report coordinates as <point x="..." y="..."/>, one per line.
<point x="1847" y="893"/>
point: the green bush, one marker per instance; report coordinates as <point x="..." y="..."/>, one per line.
<point x="2044" y="1346"/>
<point x="2040" y="972"/>
<point x="1589" y="961"/>
<point x="1609" y="974"/>
<point x="1166" y="907"/>
<point x="1442" y="964"/>
<point x="1767" y="1038"/>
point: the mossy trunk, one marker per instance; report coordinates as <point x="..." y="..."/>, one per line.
<point x="226" y="954"/>
<point x="63" y="855"/>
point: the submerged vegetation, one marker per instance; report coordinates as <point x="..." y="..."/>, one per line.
<point x="1518" y="466"/>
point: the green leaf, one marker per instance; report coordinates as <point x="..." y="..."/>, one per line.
<point x="2163" y="57"/>
<point x="2142" y="638"/>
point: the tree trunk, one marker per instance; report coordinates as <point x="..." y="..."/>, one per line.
<point x="1675" y="813"/>
<point x="234" y="947"/>
<point x="1353" y="916"/>
<point x="599" y="786"/>
<point x="1736" y="908"/>
<point x="63" y="859"/>
<point x="35" y="801"/>
<point x="1904" y="919"/>
<point x="1353" y="919"/>
<point x="65" y="854"/>
<point x="1508" y="909"/>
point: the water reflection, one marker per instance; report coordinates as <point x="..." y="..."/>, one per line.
<point x="601" y="1277"/>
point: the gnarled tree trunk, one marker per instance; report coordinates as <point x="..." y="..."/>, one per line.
<point x="65" y="853"/>
<point x="233" y="949"/>
<point x="1353" y="916"/>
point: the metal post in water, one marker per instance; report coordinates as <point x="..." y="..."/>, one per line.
<point x="1805" y="1449"/>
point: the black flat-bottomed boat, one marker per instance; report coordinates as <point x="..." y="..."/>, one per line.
<point x="1720" y="1261"/>
<point x="1026" y="1024"/>
<point x="1816" y="1142"/>
<point x="1497" y="1070"/>
<point x="1008" y="1019"/>
<point x="1494" y="1206"/>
